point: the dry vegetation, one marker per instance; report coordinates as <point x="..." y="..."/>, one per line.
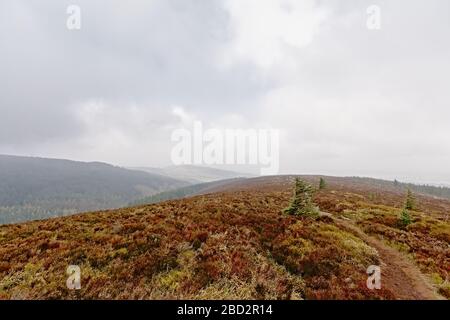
<point x="232" y="244"/>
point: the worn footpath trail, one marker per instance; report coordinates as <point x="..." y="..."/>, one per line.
<point x="398" y="273"/>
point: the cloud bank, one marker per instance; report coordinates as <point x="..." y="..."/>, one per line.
<point x="347" y="100"/>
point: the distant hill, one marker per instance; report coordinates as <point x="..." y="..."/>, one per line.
<point x="184" y="192"/>
<point x="195" y="174"/>
<point x="425" y="189"/>
<point x="222" y="185"/>
<point x="36" y="188"/>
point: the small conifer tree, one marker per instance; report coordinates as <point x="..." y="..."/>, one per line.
<point x="405" y="218"/>
<point x="302" y="203"/>
<point x="322" y="184"/>
<point x="410" y="201"/>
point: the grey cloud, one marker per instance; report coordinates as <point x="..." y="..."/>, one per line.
<point x="141" y="51"/>
<point x="386" y="92"/>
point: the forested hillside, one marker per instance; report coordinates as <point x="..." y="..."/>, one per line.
<point x="432" y="190"/>
<point x="35" y="188"/>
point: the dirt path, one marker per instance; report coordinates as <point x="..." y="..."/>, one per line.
<point x="398" y="274"/>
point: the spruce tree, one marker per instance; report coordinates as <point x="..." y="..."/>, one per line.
<point x="410" y="201"/>
<point x="405" y="218"/>
<point x="322" y="184"/>
<point x="302" y="203"/>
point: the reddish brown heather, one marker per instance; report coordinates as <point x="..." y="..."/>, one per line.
<point x="235" y="243"/>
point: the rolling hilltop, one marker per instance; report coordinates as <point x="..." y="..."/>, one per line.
<point x="236" y="242"/>
<point x="195" y="174"/>
<point x="183" y="192"/>
<point x="37" y="188"/>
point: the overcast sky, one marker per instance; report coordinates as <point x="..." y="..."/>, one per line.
<point x="347" y="100"/>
